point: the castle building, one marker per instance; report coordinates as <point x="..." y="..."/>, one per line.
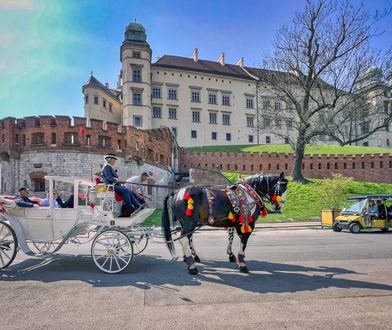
<point x="203" y="102"/>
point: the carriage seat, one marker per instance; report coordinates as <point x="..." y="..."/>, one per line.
<point x="117" y="196"/>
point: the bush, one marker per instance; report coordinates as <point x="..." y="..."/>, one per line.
<point x="333" y="191"/>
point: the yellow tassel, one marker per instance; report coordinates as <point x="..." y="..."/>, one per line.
<point x="190" y="207"/>
<point x="190" y="201"/>
<point x="279" y="199"/>
<point x="230" y="216"/>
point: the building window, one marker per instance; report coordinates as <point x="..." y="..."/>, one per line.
<point x="365" y="144"/>
<point x="213" y="118"/>
<point x="172" y="94"/>
<point x="136" y="74"/>
<point x="17" y="138"/>
<point x="24" y="140"/>
<point x="365" y="127"/>
<point x="211" y="98"/>
<point x="70" y="138"/>
<point x="196" y="116"/>
<point x="249" y="102"/>
<point x="278" y="123"/>
<point x="2" y="138"/>
<point x="156" y="92"/>
<point x="228" y="136"/>
<point x="96" y="100"/>
<point x="104" y="141"/>
<point x="289" y="124"/>
<point x="137" y="121"/>
<point x="88" y="140"/>
<point x="110" y="107"/>
<point x="286" y="140"/>
<point x="225" y="119"/>
<point x="249" y="121"/>
<point x="250" y="138"/>
<point x="104" y="103"/>
<point x="267" y="122"/>
<point x="226" y="99"/>
<point x="53" y="138"/>
<point x="135" y="54"/>
<point x="388" y="143"/>
<point x="86" y="99"/>
<point x="266" y="104"/>
<point x="37" y="123"/>
<point x="268" y="139"/>
<point x="156" y="112"/>
<point x="174" y="131"/>
<point x="214" y="135"/>
<point x="386" y="103"/>
<point x="172" y="113"/>
<point x="193" y="134"/>
<point x="39" y="185"/>
<point x="37" y="138"/>
<point x="195" y="96"/>
<point x="278" y="105"/>
<point x="137" y="97"/>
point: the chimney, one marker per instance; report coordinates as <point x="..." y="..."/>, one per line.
<point x="106" y="84"/>
<point x="195" y="55"/>
<point x="240" y="62"/>
<point x="221" y="59"/>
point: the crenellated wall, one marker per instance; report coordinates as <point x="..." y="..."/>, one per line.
<point x="45" y="133"/>
<point x="372" y="168"/>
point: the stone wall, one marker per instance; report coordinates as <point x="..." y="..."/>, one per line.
<point x="34" y="165"/>
<point x="372" y="168"/>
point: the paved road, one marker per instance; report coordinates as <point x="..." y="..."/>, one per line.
<point x="301" y="278"/>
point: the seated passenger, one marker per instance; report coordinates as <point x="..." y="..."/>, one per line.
<point x="23" y="200"/>
<point x="381" y="209"/>
<point x="45" y="202"/>
<point x="68" y="204"/>
<point x="110" y="176"/>
<point x="373" y="210"/>
<point x="138" y="190"/>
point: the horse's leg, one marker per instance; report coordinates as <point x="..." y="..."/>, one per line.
<point x="241" y="254"/>
<point x="188" y="256"/>
<point x="193" y="251"/>
<point x="232" y="257"/>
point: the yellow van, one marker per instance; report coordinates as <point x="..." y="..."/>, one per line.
<point x="365" y="212"/>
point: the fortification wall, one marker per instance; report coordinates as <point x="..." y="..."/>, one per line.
<point x="57" y="133"/>
<point x="373" y="168"/>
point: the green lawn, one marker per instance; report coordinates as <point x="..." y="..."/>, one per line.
<point x="285" y="148"/>
<point x="303" y="200"/>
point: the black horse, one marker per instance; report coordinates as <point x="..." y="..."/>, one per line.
<point x="235" y="207"/>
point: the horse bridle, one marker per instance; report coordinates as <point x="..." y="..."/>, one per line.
<point x="275" y="187"/>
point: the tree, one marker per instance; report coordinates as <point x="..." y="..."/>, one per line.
<point x="316" y="76"/>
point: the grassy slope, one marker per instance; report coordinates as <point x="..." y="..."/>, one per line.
<point x="285" y="148"/>
<point x="303" y="201"/>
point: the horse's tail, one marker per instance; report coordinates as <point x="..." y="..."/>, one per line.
<point x="166" y="226"/>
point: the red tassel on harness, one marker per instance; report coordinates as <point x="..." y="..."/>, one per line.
<point x="188" y="212"/>
<point x="187" y="196"/>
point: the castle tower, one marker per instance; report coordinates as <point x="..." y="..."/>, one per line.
<point x="135" y="57"/>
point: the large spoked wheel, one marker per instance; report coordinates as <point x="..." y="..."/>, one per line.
<point x="8" y="245"/>
<point x="355" y="228"/>
<point x="139" y="239"/>
<point x="112" y="251"/>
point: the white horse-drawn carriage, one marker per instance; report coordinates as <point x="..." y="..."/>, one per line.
<point x="94" y="218"/>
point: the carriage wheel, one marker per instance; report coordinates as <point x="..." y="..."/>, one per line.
<point x="8" y="245"/>
<point x="112" y="251"/>
<point x="139" y="241"/>
<point x="45" y="247"/>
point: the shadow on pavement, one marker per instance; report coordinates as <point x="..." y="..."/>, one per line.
<point x="148" y="272"/>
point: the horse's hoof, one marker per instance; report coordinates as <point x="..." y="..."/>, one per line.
<point x="193" y="271"/>
<point x="244" y="269"/>
<point x="232" y="258"/>
<point x="196" y="259"/>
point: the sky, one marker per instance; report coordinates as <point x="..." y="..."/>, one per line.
<point x="49" y="47"/>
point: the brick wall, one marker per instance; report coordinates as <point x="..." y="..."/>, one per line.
<point x="45" y="133"/>
<point x="372" y="168"/>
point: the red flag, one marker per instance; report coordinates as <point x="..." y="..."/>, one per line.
<point x="82" y="130"/>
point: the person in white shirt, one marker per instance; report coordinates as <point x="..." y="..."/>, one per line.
<point x="138" y="190"/>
